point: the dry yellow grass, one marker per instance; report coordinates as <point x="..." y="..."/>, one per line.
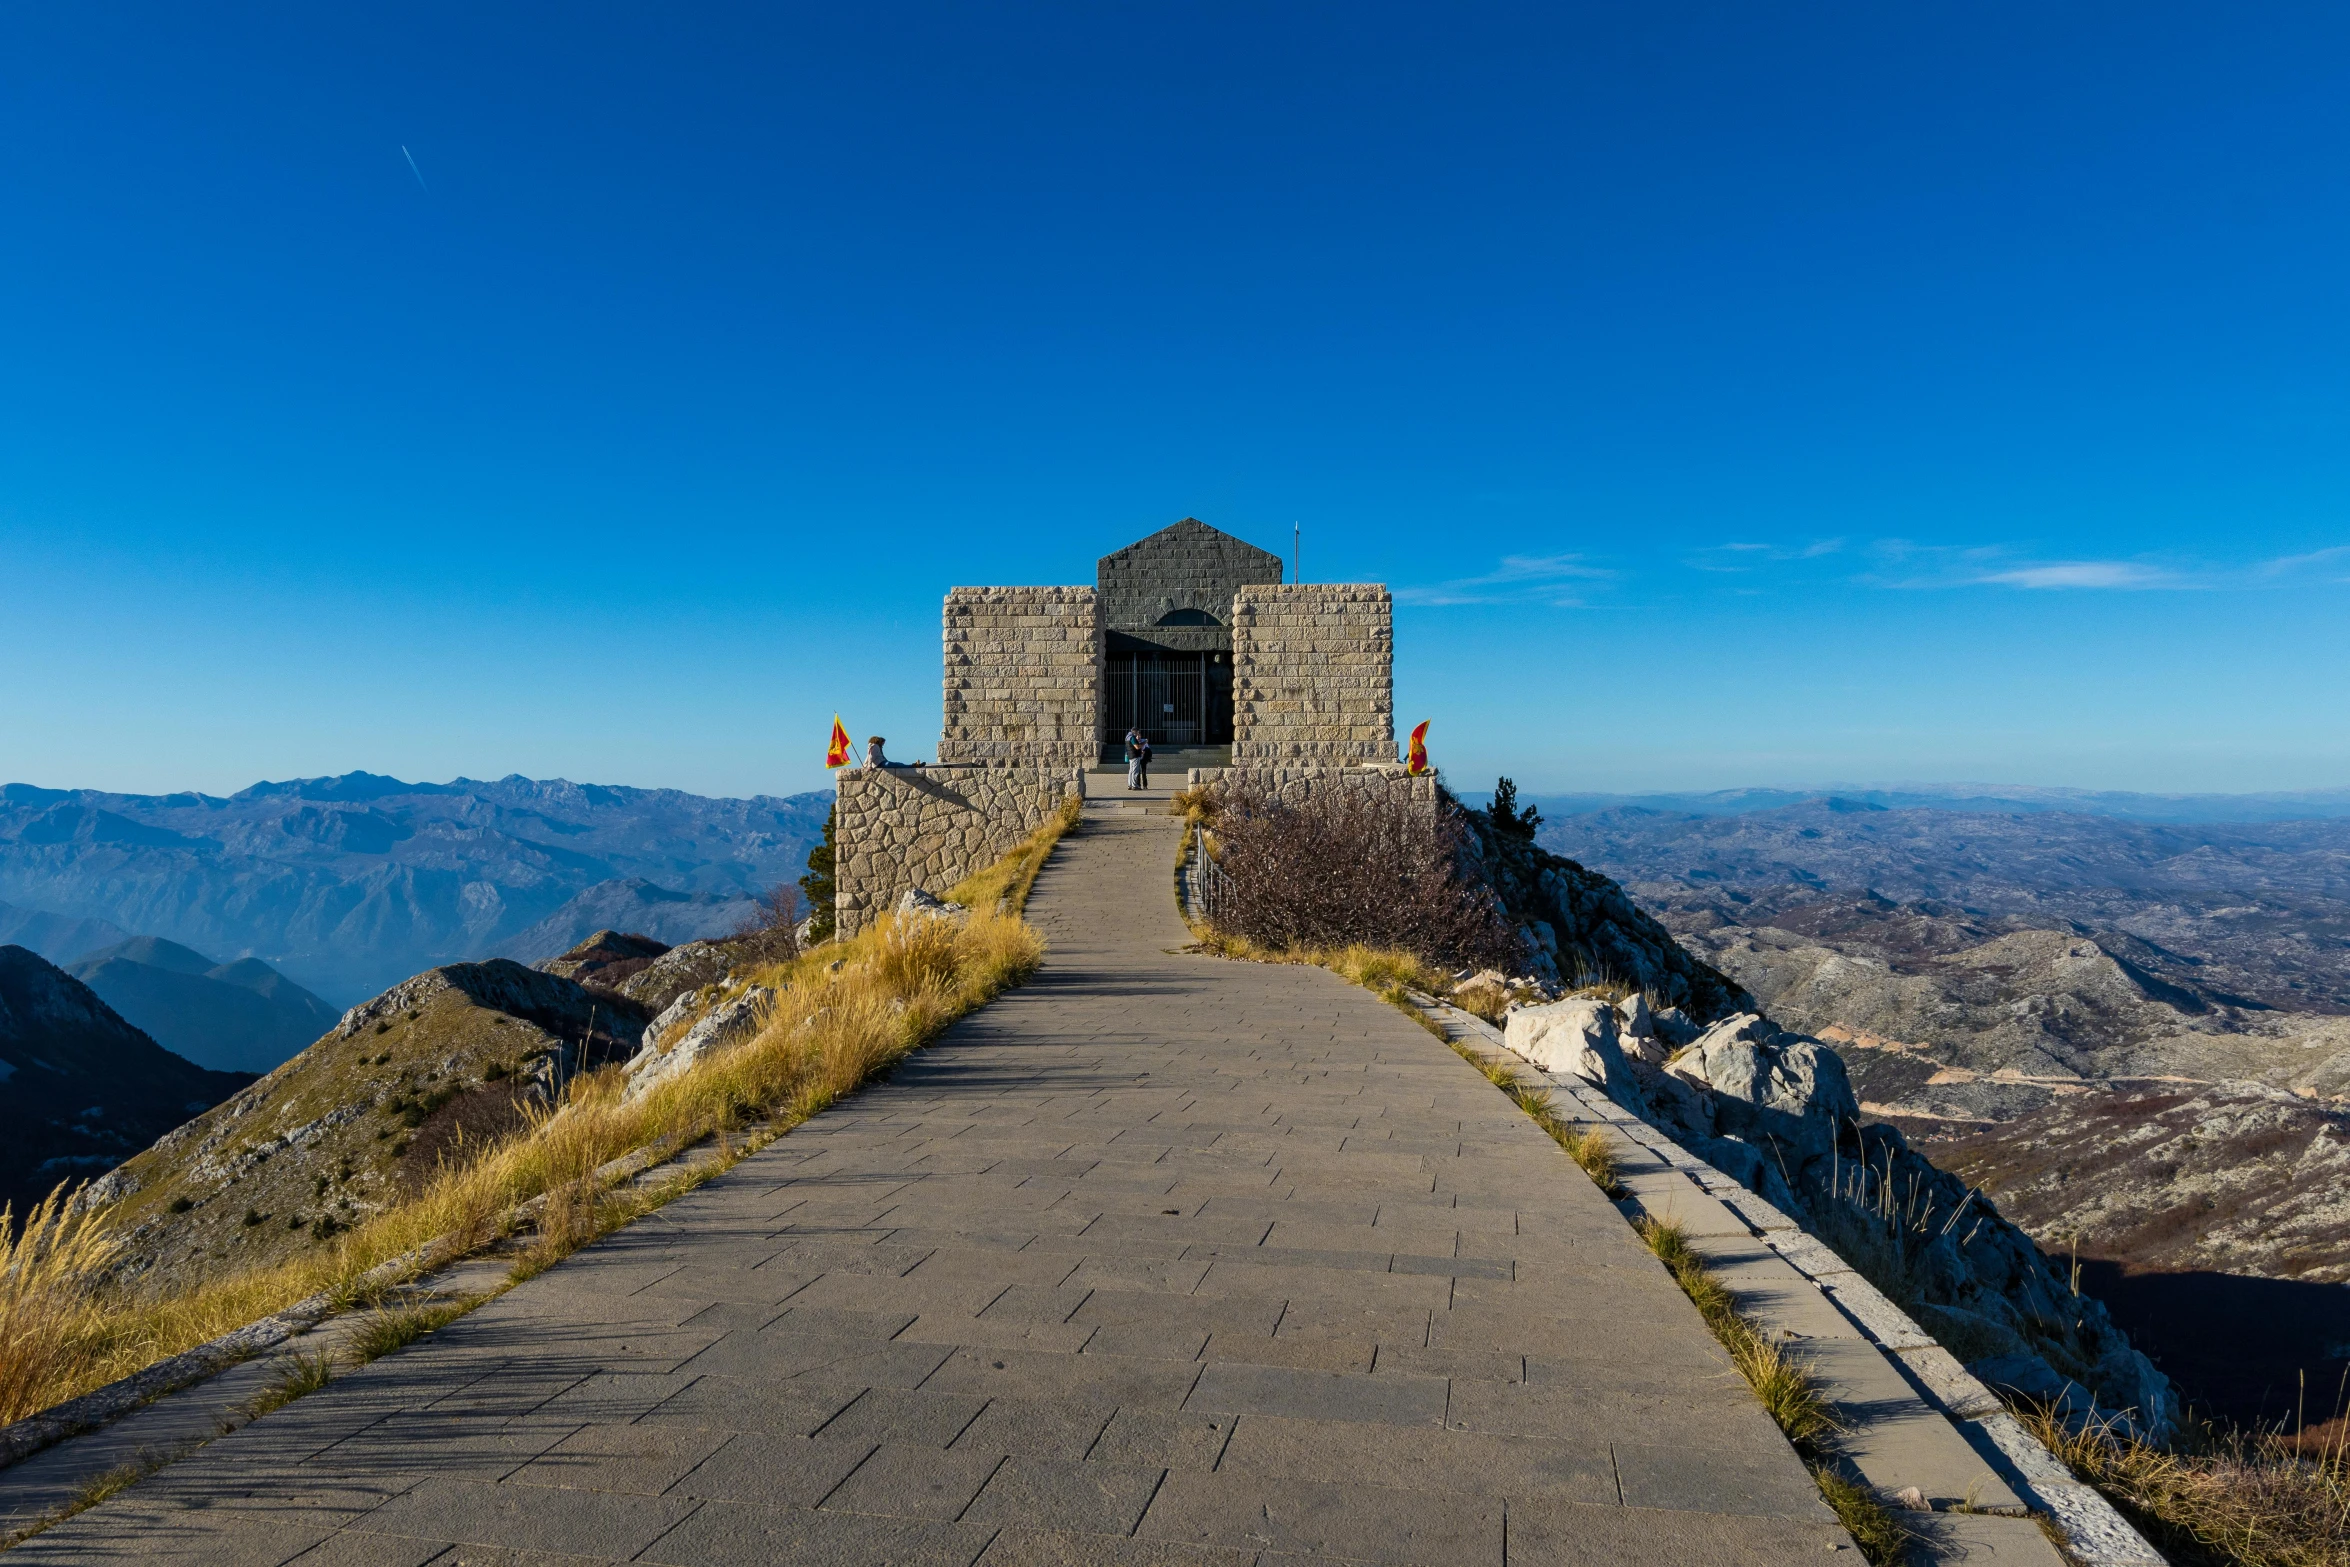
<point x="2258" y="1501"/>
<point x="47" y="1313"/>
<point x="849" y="1009"/>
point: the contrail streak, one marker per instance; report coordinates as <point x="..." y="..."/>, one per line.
<point x="412" y="168"/>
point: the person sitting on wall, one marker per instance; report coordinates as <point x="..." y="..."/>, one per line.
<point x="873" y="756"/>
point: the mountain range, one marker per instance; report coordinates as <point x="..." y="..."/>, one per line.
<point x="347" y="885"/>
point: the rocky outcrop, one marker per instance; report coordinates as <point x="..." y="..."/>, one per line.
<point x="1579" y="928"/>
<point x="605" y="960"/>
<point x="709" y="1027"/>
<point x="1776" y="1111"/>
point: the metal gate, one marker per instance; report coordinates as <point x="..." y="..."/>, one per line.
<point x="1162" y="694"/>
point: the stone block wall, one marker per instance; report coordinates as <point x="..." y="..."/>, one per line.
<point x="1313" y="668"/>
<point x="1296" y="784"/>
<point x="929" y="827"/>
<point x="1023" y="675"/>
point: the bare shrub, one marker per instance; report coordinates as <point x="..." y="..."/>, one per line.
<point x="771" y="930"/>
<point x="1356" y="867"/>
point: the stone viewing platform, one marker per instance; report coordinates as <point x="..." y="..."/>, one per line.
<point x="1159" y="1259"/>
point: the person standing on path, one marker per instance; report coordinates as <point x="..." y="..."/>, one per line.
<point x="1142" y="765"/>
<point x="1134" y="755"/>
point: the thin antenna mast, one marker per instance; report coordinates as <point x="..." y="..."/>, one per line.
<point x="1297" y="558"/>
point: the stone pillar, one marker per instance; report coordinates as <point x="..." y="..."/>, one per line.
<point x="1313" y="669"/>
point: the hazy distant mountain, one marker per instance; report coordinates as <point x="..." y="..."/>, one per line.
<point x="2004" y="799"/>
<point x="635" y="906"/>
<point x="59" y="938"/>
<point x="348" y="885"/>
<point x="80" y="1089"/>
<point x="239" y="1017"/>
<point x="2254" y="912"/>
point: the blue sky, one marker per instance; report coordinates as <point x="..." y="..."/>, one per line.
<point x="1732" y="394"/>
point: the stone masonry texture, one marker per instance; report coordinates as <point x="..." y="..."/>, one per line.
<point x="1186" y="566"/>
<point x="1313" y="673"/>
<point x="1295" y="785"/>
<point x="1023" y="674"/>
<point x="1156" y="1260"/>
<point x="929" y="827"/>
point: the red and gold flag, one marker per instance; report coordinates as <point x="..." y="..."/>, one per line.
<point x="838" y="755"/>
<point x="1415" y="760"/>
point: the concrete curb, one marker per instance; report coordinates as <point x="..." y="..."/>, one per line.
<point x="2095" y="1533"/>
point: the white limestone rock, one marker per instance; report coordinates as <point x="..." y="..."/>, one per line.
<point x="1576" y="1036"/>
<point x="1767" y="1082"/>
<point x="730" y="1022"/>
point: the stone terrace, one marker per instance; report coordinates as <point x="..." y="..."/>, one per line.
<point x="1157" y="1260"/>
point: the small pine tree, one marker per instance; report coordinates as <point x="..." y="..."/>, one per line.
<point x="818" y="883"/>
<point x="1507" y="817"/>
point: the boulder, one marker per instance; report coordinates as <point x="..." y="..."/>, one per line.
<point x="1769" y="1083"/>
<point x="731" y="1022"/>
<point x="1576" y="1036"/>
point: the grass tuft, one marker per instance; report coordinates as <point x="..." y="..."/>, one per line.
<point x="1782" y="1381"/>
<point x="299" y="1376"/>
<point x="389" y="1328"/>
<point x="1876" y="1528"/>
<point x="2258" y="1500"/>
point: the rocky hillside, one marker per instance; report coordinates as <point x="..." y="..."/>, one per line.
<point x="1966" y="1017"/>
<point x="243" y="1016"/>
<point x="347" y="884"/>
<point x="361" y="1117"/>
<point x="2226" y="1177"/>
<point x="2251" y="913"/>
<point x="81" y="1090"/>
<point x="450" y="1059"/>
<point x="1578" y="926"/>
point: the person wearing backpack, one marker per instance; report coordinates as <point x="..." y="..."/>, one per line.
<point x="1136" y="749"/>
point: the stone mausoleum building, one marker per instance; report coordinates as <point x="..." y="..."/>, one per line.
<point x="1189" y="635"/>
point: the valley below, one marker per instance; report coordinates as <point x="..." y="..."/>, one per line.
<point x="2134" y="1036"/>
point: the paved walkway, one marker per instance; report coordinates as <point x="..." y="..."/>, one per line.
<point x="1157" y="1260"/>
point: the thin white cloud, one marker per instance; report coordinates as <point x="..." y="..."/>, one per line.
<point x="1742" y="556"/>
<point x="2290" y="565"/>
<point x="2085" y="574"/>
<point x="1519" y="579"/>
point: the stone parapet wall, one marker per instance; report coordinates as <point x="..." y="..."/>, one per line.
<point x="1313" y="668"/>
<point x="1023" y="675"/>
<point x="1295" y="785"/>
<point x="929" y="827"/>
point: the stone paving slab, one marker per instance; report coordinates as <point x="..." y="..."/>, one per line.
<point x="1158" y="1260"/>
